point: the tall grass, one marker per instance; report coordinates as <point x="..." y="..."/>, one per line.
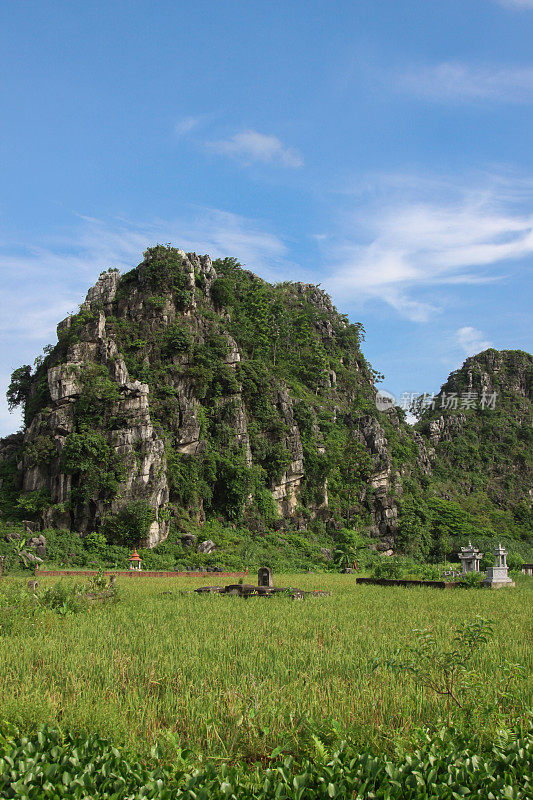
<point x="236" y="678"/>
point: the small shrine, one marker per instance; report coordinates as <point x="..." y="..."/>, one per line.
<point x="264" y="577"/>
<point x="498" y="575"/>
<point x="135" y="561"/>
<point x="470" y="558"/>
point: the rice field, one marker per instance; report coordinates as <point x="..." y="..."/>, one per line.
<point x="233" y="678"/>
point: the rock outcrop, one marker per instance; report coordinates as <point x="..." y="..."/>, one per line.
<point x="133" y="440"/>
<point x="286" y="491"/>
<point x="193" y="386"/>
<point x="478" y="431"/>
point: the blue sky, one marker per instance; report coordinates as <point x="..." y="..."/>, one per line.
<point x="382" y="148"/>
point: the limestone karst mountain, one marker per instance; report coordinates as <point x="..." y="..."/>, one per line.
<point x="188" y="389"/>
<point x="479" y="431"/>
<point x="478" y="434"/>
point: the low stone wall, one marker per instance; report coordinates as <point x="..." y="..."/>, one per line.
<point x="44" y="573"/>
<point x="407" y="582"/>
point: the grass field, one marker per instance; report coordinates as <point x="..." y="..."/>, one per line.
<point x="235" y="679"/>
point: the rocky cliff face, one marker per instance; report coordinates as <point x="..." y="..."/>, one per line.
<point x="478" y="431"/>
<point x="133" y="441"/>
<point x="197" y="387"/>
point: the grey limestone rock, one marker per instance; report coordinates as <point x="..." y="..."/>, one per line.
<point x="206" y="547"/>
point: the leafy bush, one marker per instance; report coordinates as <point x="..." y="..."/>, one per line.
<point x="64" y="598"/>
<point x="130" y="525"/>
<point x="94" y="461"/>
<point x="34" y="503"/>
<point x="95" y="542"/>
<point x="65" y="548"/>
<point x="266" y="506"/>
<point x="177" y="339"/>
<point x="19" y="387"/>
<point x="471" y="580"/>
<point x="157" y="302"/>
<point x="10" y="556"/>
<point x="162" y="271"/>
<point x="99" y="392"/>
<point x="389" y="568"/>
<point x="221" y="292"/>
<point x="446" y="671"/>
<point x="50" y="764"/>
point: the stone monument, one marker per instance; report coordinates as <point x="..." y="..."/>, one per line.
<point x="497" y="576"/>
<point x="264" y="577"/>
<point x="470" y="557"/>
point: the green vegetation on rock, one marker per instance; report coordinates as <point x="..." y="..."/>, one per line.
<point x="208" y="396"/>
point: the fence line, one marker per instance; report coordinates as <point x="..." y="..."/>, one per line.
<point x="133" y="573"/>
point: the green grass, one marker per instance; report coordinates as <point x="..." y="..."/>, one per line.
<point x="235" y="679"/>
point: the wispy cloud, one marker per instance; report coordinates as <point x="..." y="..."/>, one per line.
<point x="43" y="283"/>
<point x="471" y="340"/>
<point x="410" y="239"/>
<point x="54" y="273"/>
<point x="186" y="125"/>
<point x="460" y="82"/>
<point x="251" y="146"/>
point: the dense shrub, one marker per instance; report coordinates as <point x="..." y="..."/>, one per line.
<point x="221" y="292"/>
<point x="10" y="556"/>
<point x="472" y="580"/>
<point x="64" y="598"/>
<point x="162" y="271"/>
<point x="177" y="339"/>
<point x="98" y="470"/>
<point x="130" y="525"/>
<point x="65" y="548"/>
<point x="19" y="388"/>
<point x="51" y="764"/>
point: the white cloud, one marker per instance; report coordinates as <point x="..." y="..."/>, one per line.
<point x="418" y="238"/>
<point x="252" y="146"/>
<point x="460" y="82"/>
<point x="42" y="284"/>
<point x="186" y="124"/>
<point x="471" y="341"/>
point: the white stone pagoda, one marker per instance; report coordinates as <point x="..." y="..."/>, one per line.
<point x="497" y="576"/>
<point x="470" y="558"/>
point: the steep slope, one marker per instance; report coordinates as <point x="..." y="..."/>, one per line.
<point x="483" y="437"/>
<point x="191" y="388"/>
<point x="478" y="433"/>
